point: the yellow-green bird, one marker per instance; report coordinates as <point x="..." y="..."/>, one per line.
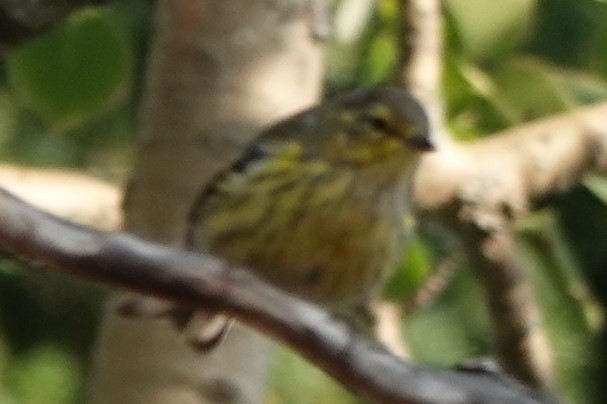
<point x="316" y="204"/>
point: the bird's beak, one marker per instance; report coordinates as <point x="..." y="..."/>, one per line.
<point x="421" y="143"/>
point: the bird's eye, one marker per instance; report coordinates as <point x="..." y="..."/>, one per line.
<point x="377" y="123"/>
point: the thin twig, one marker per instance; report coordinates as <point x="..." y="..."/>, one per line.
<point x="436" y="284"/>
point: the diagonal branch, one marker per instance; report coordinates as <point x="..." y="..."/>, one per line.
<point x="204" y="281"/>
<point x="506" y="172"/>
<point x="521" y="343"/>
<point x="479" y="189"/>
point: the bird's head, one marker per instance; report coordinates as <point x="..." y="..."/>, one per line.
<point x="375" y="125"/>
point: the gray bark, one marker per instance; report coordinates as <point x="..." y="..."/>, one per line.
<point x="219" y="70"/>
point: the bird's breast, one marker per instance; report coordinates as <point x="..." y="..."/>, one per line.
<point x="319" y="236"/>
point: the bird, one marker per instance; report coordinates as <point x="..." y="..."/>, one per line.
<point x="316" y="204"/>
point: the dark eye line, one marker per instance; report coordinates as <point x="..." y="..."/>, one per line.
<point x="375" y="122"/>
<point x="381" y="125"/>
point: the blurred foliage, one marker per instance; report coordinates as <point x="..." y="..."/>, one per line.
<point x="69" y="98"/>
<point x="296" y="382"/>
<point x="72" y="72"/>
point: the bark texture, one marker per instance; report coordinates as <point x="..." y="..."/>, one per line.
<point x="219" y="70"/>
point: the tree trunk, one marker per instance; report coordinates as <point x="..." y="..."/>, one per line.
<point x="218" y="71"/>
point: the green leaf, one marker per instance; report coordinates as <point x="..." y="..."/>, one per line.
<point x="475" y="107"/>
<point x="529" y="90"/>
<point x="75" y="71"/>
<point x="572" y="316"/>
<point x="597" y="184"/>
<point x="381" y="59"/>
<point x="583" y="88"/>
<point x="47" y="374"/>
<point x="454" y="328"/>
<point x="295" y="381"/>
<point x="569" y="32"/>
<point x="413" y="271"/>
<point x="488" y="30"/>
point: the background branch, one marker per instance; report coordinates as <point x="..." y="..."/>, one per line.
<point x="96" y="203"/>
<point x="422" y="61"/>
<point x="480" y="189"/>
